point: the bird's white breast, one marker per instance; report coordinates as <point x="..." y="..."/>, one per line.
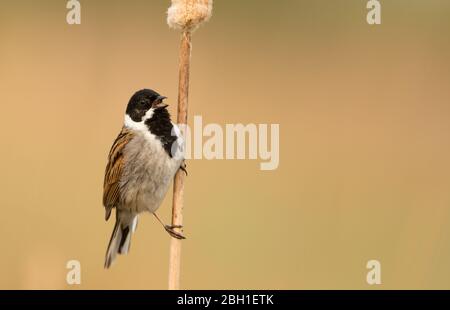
<point x="148" y="170"/>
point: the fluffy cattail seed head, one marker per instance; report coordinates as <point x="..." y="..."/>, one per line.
<point x="189" y="14"/>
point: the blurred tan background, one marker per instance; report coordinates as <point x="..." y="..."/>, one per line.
<point x="364" y="114"/>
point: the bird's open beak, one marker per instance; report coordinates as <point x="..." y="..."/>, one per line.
<point x="159" y="104"/>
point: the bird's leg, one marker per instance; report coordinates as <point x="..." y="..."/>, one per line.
<point x="170" y="229"/>
<point x="183" y="167"/>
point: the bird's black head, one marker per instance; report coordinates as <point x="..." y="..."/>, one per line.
<point x="142" y="101"/>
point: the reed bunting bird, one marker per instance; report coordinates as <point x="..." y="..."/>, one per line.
<point x="142" y="162"/>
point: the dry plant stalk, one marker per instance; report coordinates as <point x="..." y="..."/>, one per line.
<point x="185" y="15"/>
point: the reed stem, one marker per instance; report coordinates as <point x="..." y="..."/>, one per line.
<point x="186" y="15"/>
<point x="178" y="187"/>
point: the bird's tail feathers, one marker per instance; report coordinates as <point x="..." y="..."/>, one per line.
<point x="121" y="236"/>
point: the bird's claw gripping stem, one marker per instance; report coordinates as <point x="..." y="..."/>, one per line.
<point x="173" y="233"/>
<point x="183" y="168"/>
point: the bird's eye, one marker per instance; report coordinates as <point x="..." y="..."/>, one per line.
<point x="143" y="102"/>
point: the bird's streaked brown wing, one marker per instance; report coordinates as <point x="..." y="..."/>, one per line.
<point x="111" y="185"/>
